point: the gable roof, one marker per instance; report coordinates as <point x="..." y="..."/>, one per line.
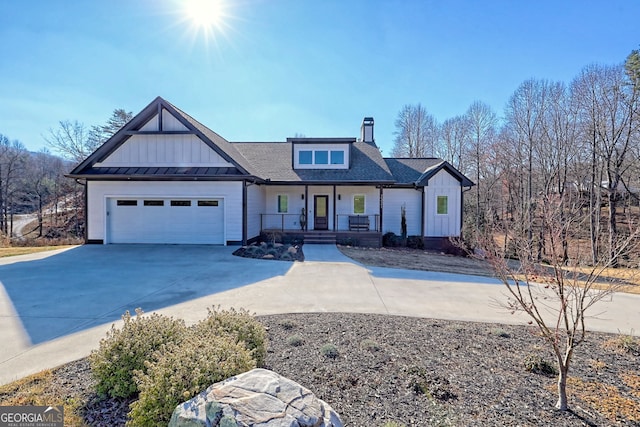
<point x="274" y="161"/>
<point x="418" y="172"/>
<point x="214" y="141"/>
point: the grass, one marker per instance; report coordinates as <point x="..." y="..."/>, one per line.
<point x="14" y="251"/>
<point x="40" y="390"/>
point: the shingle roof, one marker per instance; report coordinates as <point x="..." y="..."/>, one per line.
<point x="273" y="160"/>
<point x="419" y="171"/>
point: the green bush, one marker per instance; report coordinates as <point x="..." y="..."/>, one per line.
<point x="180" y="371"/>
<point x="538" y="365"/>
<point x="241" y="325"/>
<point x="329" y="351"/>
<point x="295" y="341"/>
<point x="125" y="350"/>
<point x="415" y="242"/>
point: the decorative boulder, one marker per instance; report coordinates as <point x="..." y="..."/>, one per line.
<point x="259" y="398"/>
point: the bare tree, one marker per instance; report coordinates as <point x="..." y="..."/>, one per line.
<point x="557" y="297"/>
<point x="416" y="132"/>
<point x="71" y="140"/>
<point x="481" y="122"/>
<point x="454" y="133"/>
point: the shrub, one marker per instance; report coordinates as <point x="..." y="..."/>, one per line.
<point x="295" y="341"/>
<point x="390" y="239"/>
<point x="623" y="343"/>
<point x="499" y="332"/>
<point x="538" y="365"/>
<point x="180" y="371"/>
<point x="329" y="351"/>
<point x="288" y="324"/>
<point x="125" y="350"/>
<point x="241" y="325"/>
<point x="369" y="345"/>
<point x="415" y="242"/>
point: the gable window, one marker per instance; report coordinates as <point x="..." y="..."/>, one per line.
<point x="283" y="203"/>
<point x="358" y="204"/>
<point x="337" y="157"/>
<point x="442" y="205"/>
<point x="322" y="157"/>
<point x="305" y="157"/>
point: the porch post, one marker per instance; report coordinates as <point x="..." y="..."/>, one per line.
<point x="306" y="206"/>
<point x="335" y="219"/>
<point x="244" y="213"/>
<point x="381" y="208"/>
<point x="422" y="214"/>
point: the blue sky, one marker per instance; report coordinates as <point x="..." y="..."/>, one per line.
<point x="276" y="68"/>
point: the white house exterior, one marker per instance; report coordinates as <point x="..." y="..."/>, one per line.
<point x="166" y="178"/>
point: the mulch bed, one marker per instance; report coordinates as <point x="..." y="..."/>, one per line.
<point x="274" y="251"/>
<point x="374" y="369"/>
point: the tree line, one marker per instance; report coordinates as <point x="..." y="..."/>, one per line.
<point x="567" y="149"/>
<point x="34" y="182"/>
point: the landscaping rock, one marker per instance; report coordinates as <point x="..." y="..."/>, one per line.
<point x="256" y="398"/>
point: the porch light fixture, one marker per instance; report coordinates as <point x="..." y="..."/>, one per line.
<point x="302" y="196"/>
<point x="339" y="197"/>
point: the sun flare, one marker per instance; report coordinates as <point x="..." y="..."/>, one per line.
<point x="206" y="15"/>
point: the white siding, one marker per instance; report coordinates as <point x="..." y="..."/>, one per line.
<point x="151" y="125"/>
<point x="344" y="206"/>
<point x="169" y="122"/>
<point x="273" y="219"/>
<point x="394" y="198"/>
<point x="255" y="207"/>
<point x="164" y="151"/>
<point x="442" y="184"/>
<point x="100" y="191"/>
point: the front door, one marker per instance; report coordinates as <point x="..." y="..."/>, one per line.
<point x="321" y="216"/>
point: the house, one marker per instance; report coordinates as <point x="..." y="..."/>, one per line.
<point x="167" y="178"/>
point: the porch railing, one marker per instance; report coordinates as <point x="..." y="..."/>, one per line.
<point x="344" y="222"/>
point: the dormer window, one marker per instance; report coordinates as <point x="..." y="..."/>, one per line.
<point x="321" y="153"/>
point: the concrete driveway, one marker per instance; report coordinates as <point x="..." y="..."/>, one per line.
<point x="55" y="306"/>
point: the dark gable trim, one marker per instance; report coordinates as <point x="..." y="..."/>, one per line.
<point x="141" y="119"/>
<point x="464" y="181"/>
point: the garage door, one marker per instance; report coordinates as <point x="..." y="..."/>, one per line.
<point x="160" y="220"/>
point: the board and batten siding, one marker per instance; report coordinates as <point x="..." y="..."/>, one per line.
<point x="394" y="199"/>
<point x="255" y="207"/>
<point x="295" y="202"/>
<point x="344" y="205"/>
<point x="442" y="184"/>
<point x="99" y="191"/>
<point x="159" y="150"/>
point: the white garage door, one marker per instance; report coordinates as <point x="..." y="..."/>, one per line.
<point x="160" y="220"/>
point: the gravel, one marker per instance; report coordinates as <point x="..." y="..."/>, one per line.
<point x="374" y="369"/>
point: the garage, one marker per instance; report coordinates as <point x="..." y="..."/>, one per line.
<point x="165" y="220"/>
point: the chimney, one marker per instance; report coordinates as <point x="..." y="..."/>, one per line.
<point x="366" y="131"/>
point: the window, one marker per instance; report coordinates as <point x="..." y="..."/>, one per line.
<point x="154" y="202"/>
<point x="442" y="205"/>
<point x="283" y="203"/>
<point x="207" y="203"/>
<point x="305" y="157"/>
<point x="337" y="157"/>
<point x="127" y="203"/>
<point x="322" y="157"/>
<point x="358" y="204"/>
<point x="181" y="203"/>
